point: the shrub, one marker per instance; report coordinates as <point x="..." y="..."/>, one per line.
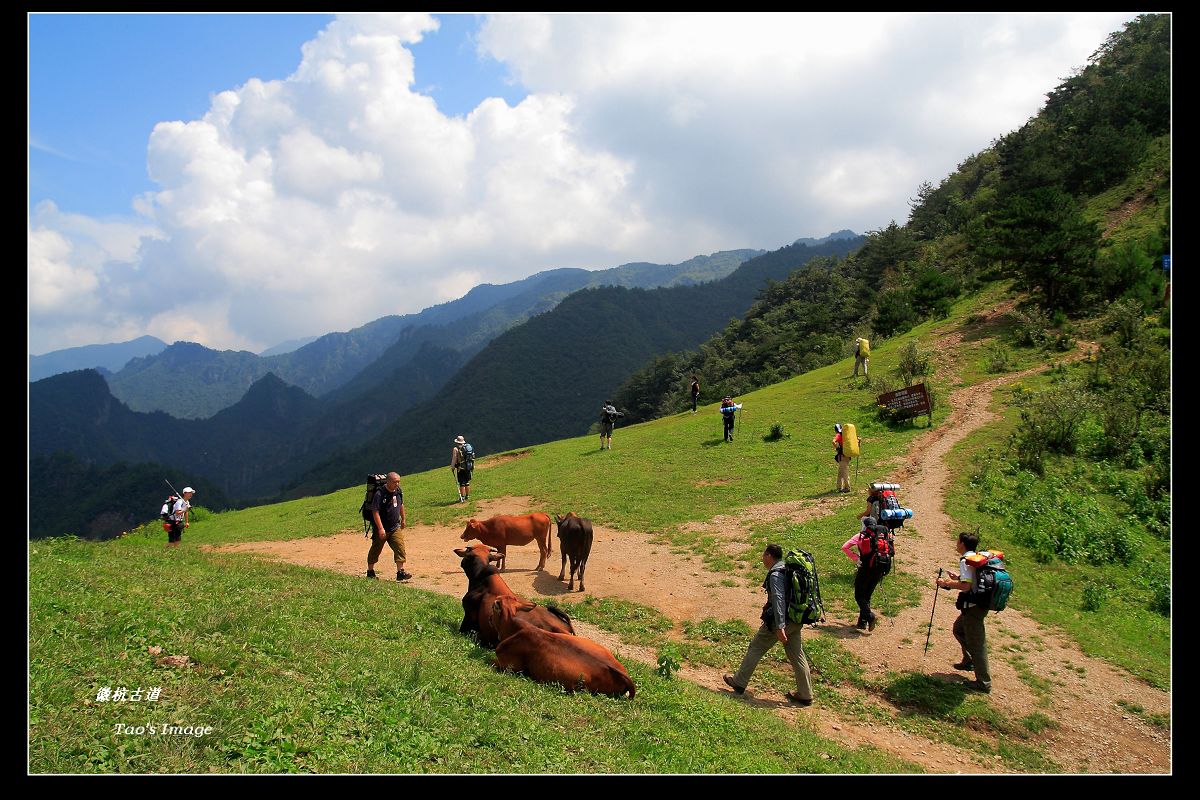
<point x="999" y="358"/>
<point x="913" y="364"/>
<point x="1094" y="595"/>
<point x="776" y="432"/>
<point x="1030" y="327"/>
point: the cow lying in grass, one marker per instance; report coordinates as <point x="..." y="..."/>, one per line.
<point x="484" y="586"/>
<point x="573" y="662"/>
<point x="574" y="542"/>
<point x="504" y="530"/>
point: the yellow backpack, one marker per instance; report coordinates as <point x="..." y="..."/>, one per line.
<point x="864" y="348"/>
<point x="849" y="440"/>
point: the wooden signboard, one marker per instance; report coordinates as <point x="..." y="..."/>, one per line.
<point x="911" y="401"/>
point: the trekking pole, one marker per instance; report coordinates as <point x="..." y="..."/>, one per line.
<point x="172" y="488"/>
<point x="936" y="589"/>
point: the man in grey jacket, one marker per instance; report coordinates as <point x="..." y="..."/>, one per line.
<point x="776" y="627"/>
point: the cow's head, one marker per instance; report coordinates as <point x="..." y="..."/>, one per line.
<point x="488" y="554"/>
<point x="565" y="517"/>
<point x="507" y="607"/>
<point x="474" y="528"/>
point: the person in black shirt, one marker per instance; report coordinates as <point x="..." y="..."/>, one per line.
<point x="387" y="525"/>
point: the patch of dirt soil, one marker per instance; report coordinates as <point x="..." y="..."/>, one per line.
<point x="494" y="461"/>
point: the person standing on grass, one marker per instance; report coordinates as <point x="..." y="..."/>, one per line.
<point x="608" y="419"/>
<point x="387" y="525"/>
<point x="462" y="462"/>
<point x="180" y="513"/>
<point x="776" y="627"/>
<point x="695" y="392"/>
<point x="969" y="628"/>
<point x="843" y="460"/>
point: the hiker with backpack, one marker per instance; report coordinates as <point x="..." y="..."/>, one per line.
<point x="175" y="514"/>
<point x="462" y="464"/>
<point x="728" y="411"/>
<point x="608" y="419"/>
<point x="843" y="460"/>
<point x="781" y="622"/>
<point x="862" y="356"/>
<point x="873" y="548"/>
<point x="973" y="608"/>
<point x="386" y="509"/>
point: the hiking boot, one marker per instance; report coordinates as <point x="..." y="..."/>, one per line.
<point x="402" y="575"/>
<point x="871" y="623"/>
<point x="370" y="573"/>
<point x="978" y="686"/>
<point x="862" y="626"/>
<point x="798" y="700"/>
<point x="965" y="666"/>
<point x="729" y="682"/>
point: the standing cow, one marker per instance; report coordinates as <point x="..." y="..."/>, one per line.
<point x="501" y="531"/>
<point x="572" y="662"/>
<point x="485" y="586"/>
<point x="574" y="542"/>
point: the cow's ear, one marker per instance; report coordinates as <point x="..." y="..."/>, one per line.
<point x="559" y="519"/>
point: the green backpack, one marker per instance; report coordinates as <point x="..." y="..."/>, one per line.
<point x="804" y="588"/>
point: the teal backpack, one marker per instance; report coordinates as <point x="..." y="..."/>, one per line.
<point x="993" y="584"/>
<point x="804" y="588"/>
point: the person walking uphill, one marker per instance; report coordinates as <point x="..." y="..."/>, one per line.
<point x="462" y="464"/>
<point x="608" y="419"/>
<point x="776" y="627"/>
<point x="729" y="410"/>
<point x="695" y="392"/>
<point x="387" y="525"/>
<point x="968" y="628"/>
<point x="862" y="356"/>
<point x="862" y="549"/>
<point x="180" y="512"/>
<point x="843" y="461"/>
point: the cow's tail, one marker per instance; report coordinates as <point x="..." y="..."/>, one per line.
<point x="549" y="541"/>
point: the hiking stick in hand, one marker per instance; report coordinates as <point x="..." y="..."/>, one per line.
<point x="936" y="589"/>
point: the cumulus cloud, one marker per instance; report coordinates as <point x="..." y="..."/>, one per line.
<point x="341" y="193"/>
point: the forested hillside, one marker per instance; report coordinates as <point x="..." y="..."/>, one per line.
<point x="1073" y="206"/>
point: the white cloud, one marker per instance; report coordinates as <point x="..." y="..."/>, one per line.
<point x="341" y="193"/>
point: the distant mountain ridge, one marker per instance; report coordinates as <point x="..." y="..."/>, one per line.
<point x="190" y="381"/>
<point x="111" y="357"/>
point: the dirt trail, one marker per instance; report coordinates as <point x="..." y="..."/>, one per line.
<point x="1079" y="692"/>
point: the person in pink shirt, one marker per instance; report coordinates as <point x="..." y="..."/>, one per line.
<point x="867" y="577"/>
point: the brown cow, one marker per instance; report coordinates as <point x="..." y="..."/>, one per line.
<point x="484" y="586"/>
<point x="575" y="542"/>
<point x="573" y="662"/>
<point x="503" y="530"/>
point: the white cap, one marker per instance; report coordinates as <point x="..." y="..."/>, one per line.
<point x="187" y="489"/>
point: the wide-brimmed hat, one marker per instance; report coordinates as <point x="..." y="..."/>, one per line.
<point x="460" y="440"/>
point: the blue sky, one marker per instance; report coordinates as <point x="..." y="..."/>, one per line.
<point x="263" y="164"/>
<point x="99" y="83"/>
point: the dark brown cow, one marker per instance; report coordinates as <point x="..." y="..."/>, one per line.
<point x="503" y="530"/>
<point x="575" y="542"/>
<point x="484" y="586"/>
<point x="573" y="662"/>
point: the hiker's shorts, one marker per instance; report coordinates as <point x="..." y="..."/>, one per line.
<point x="464" y="477"/>
<point x="175" y="532"/>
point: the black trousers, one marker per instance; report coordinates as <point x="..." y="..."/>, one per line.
<point x="865" y="581"/>
<point x="728" y="427"/>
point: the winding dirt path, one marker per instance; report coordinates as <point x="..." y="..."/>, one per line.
<point x="1078" y="692"/>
